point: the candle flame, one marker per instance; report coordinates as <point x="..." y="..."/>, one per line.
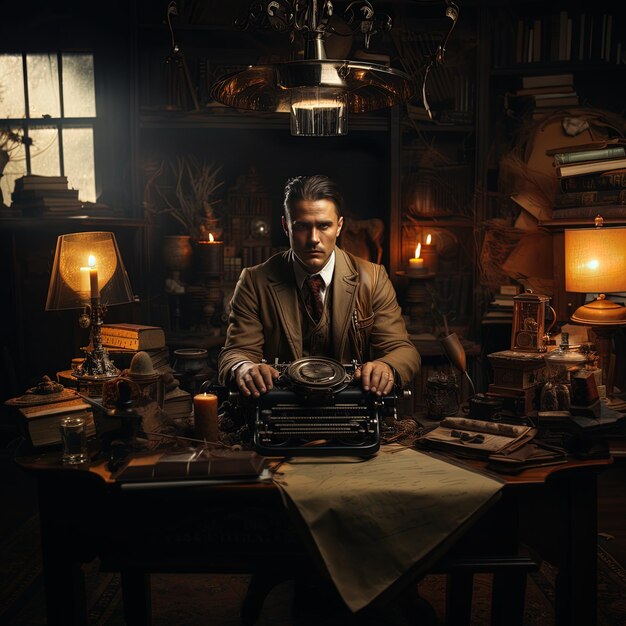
<point x="91" y="261"/>
<point x="418" y="250"/>
<point x="211" y="238"/>
<point x="428" y="239"/>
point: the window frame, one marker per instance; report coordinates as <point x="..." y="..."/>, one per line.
<point x="23" y="125"/>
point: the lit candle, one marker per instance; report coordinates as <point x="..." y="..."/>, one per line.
<point x="205" y="416"/>
<point x="210" y="256"/>
<point x="416" y="264"/>
<point x="93" y="277"/>
<point x="89" y="278"/>
<point x="429" y="254"/>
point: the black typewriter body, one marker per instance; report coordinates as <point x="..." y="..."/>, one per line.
<point x="317" y="408"/>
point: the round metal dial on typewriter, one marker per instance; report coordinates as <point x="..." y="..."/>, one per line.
<point x="312" y="374"/>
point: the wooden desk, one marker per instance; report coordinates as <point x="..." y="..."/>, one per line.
<point x="244" y="528"/>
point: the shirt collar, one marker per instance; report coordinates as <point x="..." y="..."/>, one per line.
<point x="326" y="272"/>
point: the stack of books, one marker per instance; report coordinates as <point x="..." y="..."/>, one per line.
<point x="542" y="95"/>
<point x="592" y="179"/>
<point x="38" y="416"/>
<point x="123" y="341"/>
<point x="500" y="309"/>
<point x="45" y="194"/>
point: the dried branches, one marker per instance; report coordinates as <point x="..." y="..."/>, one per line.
<point x="190" y="195"/>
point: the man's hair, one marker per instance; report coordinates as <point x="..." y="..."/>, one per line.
<point x="318" y="187"/>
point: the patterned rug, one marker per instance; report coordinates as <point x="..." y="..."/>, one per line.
<point x="188" y="600"/>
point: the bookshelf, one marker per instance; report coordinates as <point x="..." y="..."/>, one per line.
<point x="583" y="42"/>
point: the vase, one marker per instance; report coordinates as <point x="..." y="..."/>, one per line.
<point x="177" y="253"/>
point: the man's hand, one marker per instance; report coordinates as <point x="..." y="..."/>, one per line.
<point x="253" y="379"/>
<point x="376" y="376"/>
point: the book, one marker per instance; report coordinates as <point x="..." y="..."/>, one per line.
<point x="133" y="336"/>
<point x="35" y="181"/>
<point x="122" y="357"/>
<point x="589" y="167"/>
<point x="197" y="465"/>
<point x="39" y="423"/>
<point x="613" y="152"/>
<point x="549" y="90"/>
<point x="612" y="179"/>
<point x="510" y="290"/>
<point x="477" y="438"/>
<point x="532" y="454"/>
<point x="590" y="198"/>
<point x="616" y="210"/>
<point x="557" y="100"/>
<point x="547" y="81"/>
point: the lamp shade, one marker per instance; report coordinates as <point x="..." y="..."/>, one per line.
<point x="595" y="260"/>
<point x="87" y="265"/>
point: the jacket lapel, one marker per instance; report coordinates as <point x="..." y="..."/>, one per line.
<point x="344" y="295"/>
<point x="282" y="286"/>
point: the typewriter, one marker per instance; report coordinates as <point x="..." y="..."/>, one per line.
<point x="317" y="408"/>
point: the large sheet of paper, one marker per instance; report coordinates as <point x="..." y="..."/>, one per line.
<point x="372" y="521"/>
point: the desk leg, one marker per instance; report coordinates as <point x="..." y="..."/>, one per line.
<point x="577" y="579"/>
<point x="63" y="575"/>
<point x="459" y="598"/>
<point x="136" y="597"/>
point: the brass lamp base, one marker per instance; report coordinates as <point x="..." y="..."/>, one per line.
<point x="600" y="312"/>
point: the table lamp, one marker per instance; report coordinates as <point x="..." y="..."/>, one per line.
<point x="595" y="262"/>
<point x="88" y="273"/>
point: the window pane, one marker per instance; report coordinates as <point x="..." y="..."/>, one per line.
<point x="79" y="161"/>
<point x="43" y="85"/>
<point x="44" y="153"/>
<point x="15" y="168"/>
<point x="79" y="98"/>
<point x="11" y="86"/>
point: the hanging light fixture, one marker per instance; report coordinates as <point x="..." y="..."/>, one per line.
<point x="316" y="91"/>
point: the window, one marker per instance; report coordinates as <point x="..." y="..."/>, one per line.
<point x="47" y="118"/>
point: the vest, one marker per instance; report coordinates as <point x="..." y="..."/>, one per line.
<point x="317" y="337"/>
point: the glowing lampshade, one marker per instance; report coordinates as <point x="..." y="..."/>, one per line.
<point x="87" y="265"/>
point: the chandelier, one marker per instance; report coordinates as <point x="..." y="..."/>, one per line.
<point x="316" y="91"/>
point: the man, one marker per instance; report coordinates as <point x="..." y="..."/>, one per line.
<point x="315" y="300"/>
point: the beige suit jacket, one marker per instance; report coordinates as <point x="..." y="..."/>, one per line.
<point x="265" y="318"/>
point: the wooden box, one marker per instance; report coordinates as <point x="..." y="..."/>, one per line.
<point x="517" y="370"/>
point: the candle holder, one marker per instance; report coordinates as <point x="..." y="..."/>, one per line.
<point x="97" y="364"/>
<point x="419" y="300"/>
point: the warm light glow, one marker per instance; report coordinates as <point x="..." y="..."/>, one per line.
<point x="418" y="250"/>
<point x="428" y="239"/>
<point x="85" y="265"/>
<point x="318" y="111"/>
<point x="595" y="260"/>
<point x="211" y="238"/>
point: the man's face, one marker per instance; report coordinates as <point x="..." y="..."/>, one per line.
<point x="313" y="227"/>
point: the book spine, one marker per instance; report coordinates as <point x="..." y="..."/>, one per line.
<point x="593" y="182"/>
<point x="590" y="198"/>
<point x="590" y="167"/>
<point x="129" y="343"/>
<point x="589" y="155"/>
<point x="120" y="332"/>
